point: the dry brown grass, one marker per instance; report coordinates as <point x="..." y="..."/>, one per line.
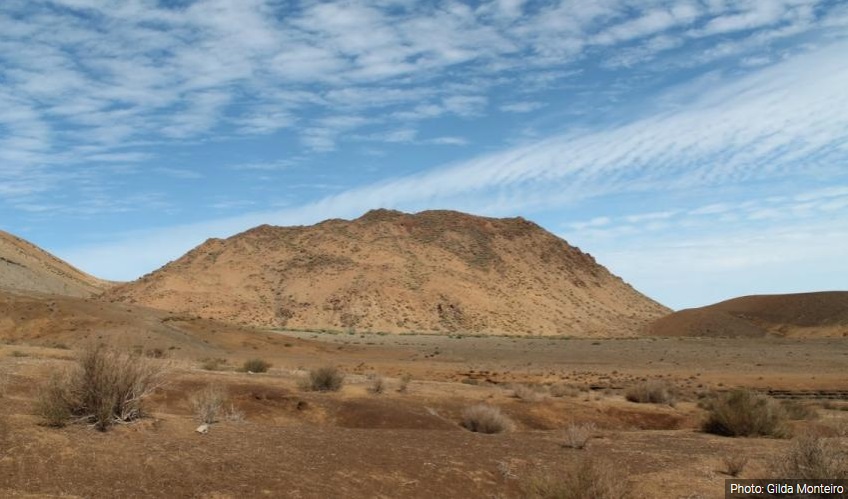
<point x="564" y="390"/>
<point x="255" y="366"/>
<point x="587" y="479"/>
<point x="323" y="379"/>
<point x="208" y="403"/>
<point x="744" y="413"/>
<point x="651" y="392"/>
<point x="106" y="387"/>
<point x="404" y="383"/>
<point x="577" y="436"/>
<point x="213" y="364"/>
<point x="377" y="384"/>
<point x="526" y="393"/>
<point x="813" y="457"/>
<point x="483" y="418"/>
<point x="734" y="464"/>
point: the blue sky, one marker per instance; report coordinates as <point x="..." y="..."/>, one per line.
<point x="698" y="148"/>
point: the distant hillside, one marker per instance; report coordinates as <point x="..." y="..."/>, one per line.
<point x="435" y="271"/>
<point x="803" y="314"/>
<point x="26" y="267"/>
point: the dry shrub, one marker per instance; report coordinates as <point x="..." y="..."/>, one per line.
<point x="563" y="390"/>
<point x="208" y="403"/>
<point x="734" y="464"/>
<point x="577" y="436"/>
<point x="526" y="393"/>
<point x="213" y="364"/>
<point x="651" y="392"/>
<point x="323" y="379"/>
<point x="587" y="479"/>
<point x="106" y="387"/>
<point x="799" y="411"/>
<point x="377" y="385"/>
<point x="813" y="457"/>
<point x="744" y="413"/>
<point x="404" y="383"/>
<point x="255" y="366"/>
<point x="483" y="418"/>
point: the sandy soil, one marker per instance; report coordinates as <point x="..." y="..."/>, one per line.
<point x="353" y="443"/>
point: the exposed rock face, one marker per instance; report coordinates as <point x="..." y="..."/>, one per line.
<point x="435" y="271"/>
<point x="26" y="267"/>
<point x="802" y="314"/>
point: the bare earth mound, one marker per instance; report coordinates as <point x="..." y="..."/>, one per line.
<point x="803" y="314"/>
<point x="439" y="271"/>
<point x="26" y="267"/>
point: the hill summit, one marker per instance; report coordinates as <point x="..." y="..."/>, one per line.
<point x="26" y="267"/>
<point x="434" y="271"/>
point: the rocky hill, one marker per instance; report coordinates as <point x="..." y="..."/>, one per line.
<point x="26" y="267"/>
<point x="797" y="315"/>
<point x="435" y="271"/>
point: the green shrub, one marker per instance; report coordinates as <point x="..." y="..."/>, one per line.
<point x="744" y="413"/>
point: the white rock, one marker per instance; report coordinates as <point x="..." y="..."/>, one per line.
<point x="203" y="429"/>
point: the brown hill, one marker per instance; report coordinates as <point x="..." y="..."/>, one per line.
<point x="26" y="267"/>
<point x="435" y="271"/>
<point x="803" y="314"/>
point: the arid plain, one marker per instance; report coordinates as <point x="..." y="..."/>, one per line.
<point x="398" y="424"/>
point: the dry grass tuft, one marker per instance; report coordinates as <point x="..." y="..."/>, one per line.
<point x="208" y="403"/>
<point x="377" y="384"/>
<point x="483" y="418"/>
<point x="734" y="464"/>
<point x="813" y="457"/>
<point x="744" y="413"/>
<point x="526" y="393"/>
<point x="577" y="436"/>
<point x="323" y="379"/>
<point x="651" y="392"/>
<point x="255" y="366"/>
<point x="588" y="479"/>
<point x="105" y="388"/>
<point x="404" y="383"/>
<point x="563" y="390"/>
<point x="799" y="411"/>
<point x="213" y="364"/>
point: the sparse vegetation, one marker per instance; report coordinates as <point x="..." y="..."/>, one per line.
<point x="404" y="383"/>
<point x="255" y="366"/>
<point x="814" y="457"/>
<point x="799" y="411"/>
<point x="587" y="479"/>
<point x="745" y="413"/>
<point x="324" y="379"/>
<point x="651" y="392"/>
<point x="578" y="435"/>
<point x="734" y="464"/>
<point x="526" y="393"/>
<point x="377" y="384"/>
<point x="563" y="390"/>
<point x="213" y="364"/>
<point x="483" y="418"/>
<point x="208" y="403"/>
<point x="105" y="388"/>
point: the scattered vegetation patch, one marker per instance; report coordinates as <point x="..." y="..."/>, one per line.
<point x="255" y="366"/>
<point x="377" y="384"/>
<point x="564" y="390"/>
<point x="734" y="464"/>
<point x="586" y="479"/>
<point x="324" y="379"/>
<point x="404" y="383"/>
<point x="651" y="392"/>
<point x="483" y="418"/>
<point x="526" y="393"/>
<point x="106" y="387"/>
<point x="813" y="457"/>
<point x="208" y="403"/>
<point x="213" y="364"/>
<point x="577" y="436"/>
<point x="745" y="413"/>
<point x="799" y="411"/>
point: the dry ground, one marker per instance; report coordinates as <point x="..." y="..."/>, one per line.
<point x="356" y="444"/>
